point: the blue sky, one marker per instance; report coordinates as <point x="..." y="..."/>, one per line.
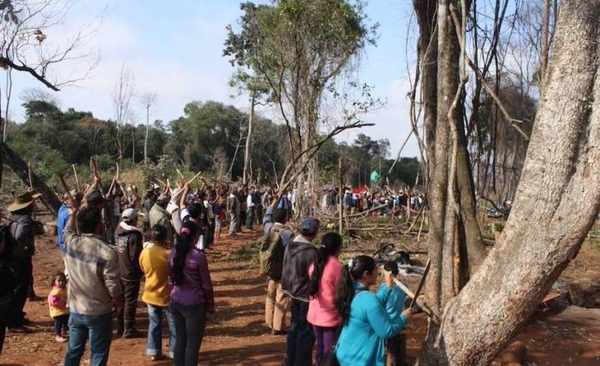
<point x="174" y="50"/>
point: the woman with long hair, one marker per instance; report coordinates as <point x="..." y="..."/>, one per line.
<point x="366" y="324"/>
<point x="324" y="276"/>
<point x="191" y="294"/>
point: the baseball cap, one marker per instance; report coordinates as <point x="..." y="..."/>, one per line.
<point x="309" y="226"/>
<point x="129" y="214"/>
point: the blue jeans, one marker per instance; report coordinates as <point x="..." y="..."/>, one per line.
<point x="155" y="331"/>
<point x="189" y="328"/>
<point x="98" y="329"/>
<point x="300" y="337"/>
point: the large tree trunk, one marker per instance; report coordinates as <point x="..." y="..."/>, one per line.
<point x="556" y="204"/>
<point x="19" y="166"/>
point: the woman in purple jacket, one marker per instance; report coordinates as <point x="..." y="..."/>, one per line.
<point x="191" y="294"/>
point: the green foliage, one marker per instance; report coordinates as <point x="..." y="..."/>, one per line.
<point x="46" y="162"/>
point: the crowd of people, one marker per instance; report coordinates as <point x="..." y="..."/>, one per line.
<point x="110" y="241"/>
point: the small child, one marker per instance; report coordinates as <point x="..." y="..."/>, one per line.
<point x="57" y="301"/>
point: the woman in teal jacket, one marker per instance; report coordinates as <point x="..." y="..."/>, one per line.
<point x="366" y="322"/>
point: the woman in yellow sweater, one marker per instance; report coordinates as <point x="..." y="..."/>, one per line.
<point x="153" y="262"/>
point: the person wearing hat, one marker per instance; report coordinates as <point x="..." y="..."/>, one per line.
<point x="299" y="255"/>
<point x="129" y="245"/>
<point x="21" y="230"/>
<point x="70" y="200"/>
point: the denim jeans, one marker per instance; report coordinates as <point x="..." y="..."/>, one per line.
<point x="189" y="328"/>
<point x="99" y="331"/>
<point x="154" y="346"/>
<point x="300" y="337"/>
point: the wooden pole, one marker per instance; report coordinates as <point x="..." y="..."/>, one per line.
<point x="76" y="177"/>
<point x="195" y="176"/>
<point x="30" y="175"/>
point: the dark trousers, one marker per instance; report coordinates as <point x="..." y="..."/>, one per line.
<point x="61" y="323"/>
<point x="16" y="315"/>
<point x="300" y="337"/>
<point x="126" y="317"/>
<point x="190" y="322"/>
<point x="209" y="239"/>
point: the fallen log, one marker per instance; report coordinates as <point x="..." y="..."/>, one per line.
<point x="21" y="169"/>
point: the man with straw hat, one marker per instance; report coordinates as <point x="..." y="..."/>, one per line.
<point x="21" y="230"/>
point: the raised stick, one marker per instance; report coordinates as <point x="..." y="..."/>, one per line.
<point x="76" y="177"/>
<point x="194" y="178"/>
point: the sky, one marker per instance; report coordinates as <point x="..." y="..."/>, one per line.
<point x="174" y="50"/>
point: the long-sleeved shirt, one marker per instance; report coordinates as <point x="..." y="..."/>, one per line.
<point x="286" y="235"/>
<point x="361" y="339"/>
<point x="94" y="277"/>
<point x="153" y="262"/>
<point x="57" y="302"/>
<point x="61" y="223"/>
<point x="196" y="287"/>
<point x="321" y="309"/>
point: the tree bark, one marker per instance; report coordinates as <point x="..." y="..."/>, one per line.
<point x="19" y="166"/>
<point x="246" y="173"/>
<point x="557" y="202"/>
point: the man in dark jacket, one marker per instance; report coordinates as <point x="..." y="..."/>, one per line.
<point x="21" y="230"/>
<point x="299" y="255"/>
<point x="129" y="245"/>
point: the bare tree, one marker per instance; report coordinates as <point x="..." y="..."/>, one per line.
<point x="147" y="101"/>
<point x="28" y="43"/>
<point x="122" y="93"/>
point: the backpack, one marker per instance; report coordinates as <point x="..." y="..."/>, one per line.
<point x="270" y="254"/>
<point x="11" y="249"/>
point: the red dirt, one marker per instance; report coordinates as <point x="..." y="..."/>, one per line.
<point x="237" y="335"/>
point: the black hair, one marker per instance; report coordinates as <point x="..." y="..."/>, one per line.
<point x="391" y="266"/>
<point x="88" y="219"/>
<point x="183" y="244"/>
<point x="330" y="244"/>
<point x="345" y="288"/>
<point x="280" y="215"/>
<point x="57" y="275"/>
<point x="195" y="209"/>
<point x="159" y="232"/>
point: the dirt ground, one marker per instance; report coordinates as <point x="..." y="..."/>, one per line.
<point x="237" y="335"/>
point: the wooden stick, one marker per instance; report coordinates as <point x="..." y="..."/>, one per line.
<point x="64" y="184"/>
<point x="432" y="315"/>
<point x="76" y="177"/>
<point x="161" y="182"/>
<point x="30" y="172"/>
<point x="180" y="175"/>
<point x="195" y="176"/>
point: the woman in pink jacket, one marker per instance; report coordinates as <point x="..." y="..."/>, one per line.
<point x="324" y="276"/>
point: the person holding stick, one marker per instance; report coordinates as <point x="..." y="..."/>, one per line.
<point x="366" y="324"/>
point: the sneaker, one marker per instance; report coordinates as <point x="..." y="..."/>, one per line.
<point x="157" y="358"/>
<point x="278" y="332"/>
<point x="60" y="339"/>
